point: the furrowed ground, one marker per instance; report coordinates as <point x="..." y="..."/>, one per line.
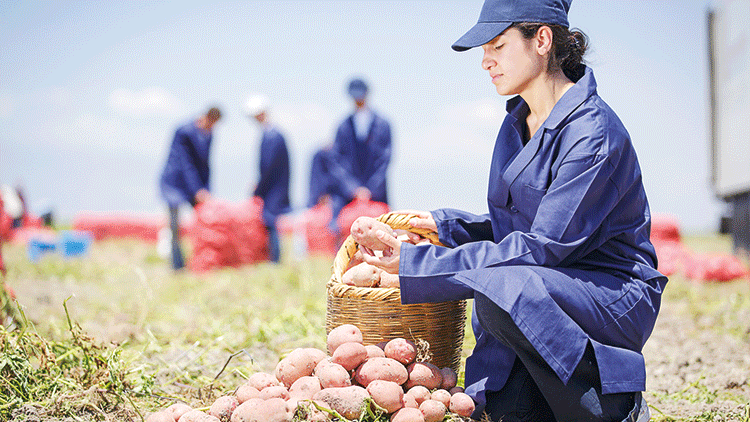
<point x="153" y="337"/>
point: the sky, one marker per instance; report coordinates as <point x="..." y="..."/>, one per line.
<point x="91" y="93"/>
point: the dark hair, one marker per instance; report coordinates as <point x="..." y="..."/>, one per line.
<point x="213" y="114"/>
<point x="568" y="47"/>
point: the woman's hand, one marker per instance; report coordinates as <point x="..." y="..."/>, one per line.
<point x="390" y="260"/>
<point x="423" y="219"/>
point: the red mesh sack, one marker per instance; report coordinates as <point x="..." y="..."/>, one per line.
<point x="358" y="208"/>
<point x="119" y="225"/>
<point x="228" y="235"/>
<point x="318" y="235"/>
<point x="715" y="267"/>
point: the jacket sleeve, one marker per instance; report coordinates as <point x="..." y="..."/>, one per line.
<point x="572" y="210"/>
<point x="456" y="227"/>
<point x="188" y="160"/>
<point x="274" y="159"/>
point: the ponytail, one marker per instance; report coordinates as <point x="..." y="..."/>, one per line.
<point x="568" y="48"/>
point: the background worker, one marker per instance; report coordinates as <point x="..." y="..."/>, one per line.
<point x="561" y="268"/>
<point x="361" y="153"/>
<point x="186" y="174"/>
<point x="273" y="183"/>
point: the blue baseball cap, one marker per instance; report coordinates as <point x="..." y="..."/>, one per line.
<point x="357" y="89"/>
<point x="499" y="15"/>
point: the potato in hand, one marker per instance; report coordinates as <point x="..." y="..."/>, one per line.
<point x="364" y="231"/>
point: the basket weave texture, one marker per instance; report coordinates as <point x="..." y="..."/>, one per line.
<point x="379" y="314"/>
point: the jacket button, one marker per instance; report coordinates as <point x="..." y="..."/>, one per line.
<point x="513" y="208"/>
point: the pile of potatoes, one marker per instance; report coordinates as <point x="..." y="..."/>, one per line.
<point x="351" y="378"/>
<point x="361" y="274"/>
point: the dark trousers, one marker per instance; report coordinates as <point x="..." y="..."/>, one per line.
<point x="178" y="262"/>
<point x="274" y="243"/>
<point x="534" y="392"/>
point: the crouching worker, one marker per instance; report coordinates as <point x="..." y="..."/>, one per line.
<point x="561" y="269"/>
<point x="186" y="174"/>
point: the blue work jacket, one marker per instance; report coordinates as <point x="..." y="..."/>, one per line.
<point x="273" y="185"/>
<point x="361" y="162"/>
<point x="320" y="176"/>
<point x="187" y="169"/>
<point x="564" y="249"/>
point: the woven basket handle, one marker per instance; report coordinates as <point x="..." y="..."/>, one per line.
<point x="397" y="222"/>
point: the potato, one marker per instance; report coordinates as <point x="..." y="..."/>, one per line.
<point x="196" y="415"/>
<point x="244" y="411"/>
<point x="160" y="416"/>
<point x="386" y="394"/>
<point x="402" y="350"/>
<point x="388" y="280"/>
<point x="362" y="275"/>
<point x="304" y="388"/>
<point x="343" y="334"/>
<point x="455" y="390"/>
<point x="433" y="410"/>
<point x="348" y="401"/>
<point x="271" y="410"/>
<point x="274" y="391"/>
<point x="223" y="407"/>
<point x="409" y="401"/>
<point x="381" y="369"/>
<point x="355" y="260"/>
<point x="450" y="378"/>
<point x="364" y="231"/>
<point x="177" y="410"/>
<point x="425" y="374"/>
<point x="443" y="396"/>
<point x="420" y="393"/>
<point x="350" y="355"/>
<point x="245" y="392"/>
<point x="408" y="414"/>
<point x="374" y="351"/>
<point x="462" y="404"/>
<point x="298" y="363"/>
<point x="261" y="380"/>
<point x="332" y="375"/>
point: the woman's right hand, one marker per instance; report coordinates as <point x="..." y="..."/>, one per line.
<point x="422" y="219"/>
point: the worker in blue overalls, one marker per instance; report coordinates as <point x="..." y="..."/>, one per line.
<point x="186" y="174"/>
<point x="273" y="182"/>
<point x="561" y="269"/>
<point x="361" y="153"/>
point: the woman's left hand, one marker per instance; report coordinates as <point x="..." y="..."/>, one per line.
<point x="389" y="262"/>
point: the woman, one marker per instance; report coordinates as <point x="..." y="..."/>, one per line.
<point x="561" y="269"/>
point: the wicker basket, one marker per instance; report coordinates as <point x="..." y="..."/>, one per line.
<point x="380" y="316"/>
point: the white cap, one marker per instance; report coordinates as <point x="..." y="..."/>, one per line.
<point x="255" y="105"/>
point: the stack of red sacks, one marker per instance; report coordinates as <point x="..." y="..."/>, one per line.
<point x="674" y="256"/>
<point x="119" y="225"/>
<point x="355" y="209"/>
<point x="228" y="235"/>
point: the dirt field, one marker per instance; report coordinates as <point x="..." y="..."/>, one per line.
<point x="182" y="329"/>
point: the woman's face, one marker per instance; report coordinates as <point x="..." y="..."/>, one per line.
<point x="512" y="61"/>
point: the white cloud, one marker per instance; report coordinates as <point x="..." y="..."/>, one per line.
<point x="111" y="134"/>
<point x="149" y="102"/>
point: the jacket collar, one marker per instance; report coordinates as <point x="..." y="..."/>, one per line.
<point x="574" y="97"/>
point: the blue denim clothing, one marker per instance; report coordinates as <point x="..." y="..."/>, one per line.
<point x="361" y="162"/>
<point x="187" y="168"/>
<point x="564" y="249"/>
<point x="273" y="184"/>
